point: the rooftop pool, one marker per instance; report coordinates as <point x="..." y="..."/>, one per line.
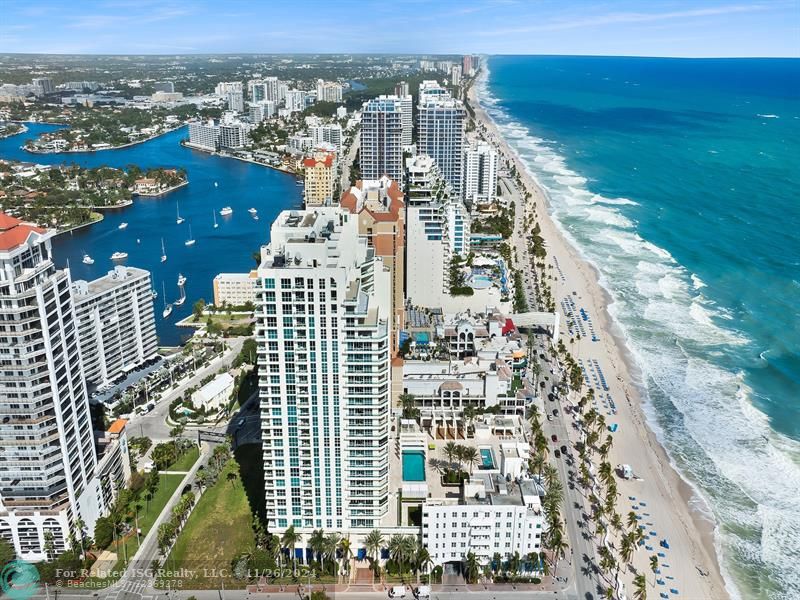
<point x="487" y="460"/>
<point x="413" y="466"/>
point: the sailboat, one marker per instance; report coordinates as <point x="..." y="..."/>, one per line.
<point x="87" y="260"/>
<point x="191" y="240"/>
<point x="163" y="252"/>
<point x="181" y="280"/>
<point x="180" y="219"/>
<point x="182" y="299"/>
<point x="167" y="307"/>
<point x="214" y="214"/>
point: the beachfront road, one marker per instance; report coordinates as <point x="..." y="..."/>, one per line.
<point x="581" y="557"/>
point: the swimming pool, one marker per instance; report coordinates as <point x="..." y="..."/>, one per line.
<point x="480" y="282"/>
<point x="487" y="460"/>
<point x="413" y="466"/>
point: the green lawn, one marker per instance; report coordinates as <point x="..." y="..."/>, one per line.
<point x="185" y="462"/>
<point x="167" y="484"/>
<point x="218" y="530"/>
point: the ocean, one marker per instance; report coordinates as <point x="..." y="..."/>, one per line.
<point x="214" y="182"/>
<point x="679" y="180"/>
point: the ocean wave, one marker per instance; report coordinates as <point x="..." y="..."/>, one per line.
<point x="701" y="411"/>
<point x="768" y="116"/>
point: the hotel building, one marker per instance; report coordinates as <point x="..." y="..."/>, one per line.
<point x="204" y="135"/>
<point x="480" y="174"/>
<point x="440" y="132"/>
<point x="116" y="324"/>
<point x="382" y="138"/>
<point x="323" y="333"/>
<point x="320" y="178"/>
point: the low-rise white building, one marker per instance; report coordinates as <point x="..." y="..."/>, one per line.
<point x="235" y="289"/>
<point x="493" y="516"/>
<point x="215" y="394"/>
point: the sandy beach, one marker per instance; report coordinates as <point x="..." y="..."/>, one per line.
<point x="667" y="505"/>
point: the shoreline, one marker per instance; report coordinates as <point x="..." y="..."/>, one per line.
<point x="247" y="160"/>
<point x="677" y="496"/>
<point x="99" y="219"/>
<point x="123" y="146"/>
<point x="162" y="192"/>
<point x="20" y="132"/>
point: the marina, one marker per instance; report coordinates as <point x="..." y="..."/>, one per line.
<point x="226" y="248"/>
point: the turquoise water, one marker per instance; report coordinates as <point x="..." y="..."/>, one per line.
<point x="486" y="458"/>
<point x="679" y="180"/>
<point x="413" y="466"/>
<point x="230" y="247"/>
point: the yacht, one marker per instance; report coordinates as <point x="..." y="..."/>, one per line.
<point x="191" y="240"/>
<point x="122" y="226"/>
<point x="226" y="211"/>
<point x="181" y="279"/>
<point x="180" y="219"/>
<point x="163" y="252"/>
<point x="252" y="211"/>
<point x="119" y="256"/>
<point x="154" y="294"/>
<point x="88" y="260"/>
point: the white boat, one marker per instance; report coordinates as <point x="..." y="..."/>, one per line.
<point x="138" y="241"/>
<point x="88" y="260"/>
<point x="252" y="211"/>
<point x="180" y="219"/>
<point x="255" y="217"/>
<point x="180" y="301"/>
<point x="167" y="307"/>
<point x="119" y="256"/>
<point x="122" y="226"/>
<point x="154" y="294"/>
<point x="191" y="240"/>
<point x="215" y="184"/>
<point x="226" y="211"/>
<point x="214" y="215"/>
<point x="163" y="252"/>
<point x="181" y="279"/>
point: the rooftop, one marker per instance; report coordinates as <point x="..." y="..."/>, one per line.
<point x="84" y="290"/>
<point x="15" y="233"/>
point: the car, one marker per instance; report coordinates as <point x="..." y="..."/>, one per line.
<point x="557" y="453"/>
<point x="241" y="422"/>
<point x="554" y="437"/>
<point x="555" y="412"/>
<point x="551" y="397"/>
<point x="564" y="449"/>
<point x="549" y="417"/>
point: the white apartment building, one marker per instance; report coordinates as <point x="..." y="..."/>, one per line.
<point x="295" y="100"/>
<point x="47" y="466"/>
<point x="407" y="107"/>
<point x="204" y="135"/>
<point x="235" y="101"/>
<point x="328" y="133"/>
<point x="492" y="516"/>
<point x="382" y="138"/>
<point x="323" y="334"/>
<point x="437" y="228"/>
<point x="480" y="173"/>
<point x="299" y="142"/>
<point x="440" y="132"/>
<point x="234" y="135"/>
<point x="455" y="75"/>
<point x="116" y="324"/>
<point x="262" y="111"/>
<point x="225" y="87"/>
<point x="235" y="289"/>
<point x="328" y="91"/>
<point x="43" y="85"/>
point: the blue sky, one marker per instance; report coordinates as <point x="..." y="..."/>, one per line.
<point x="621" y="27"/>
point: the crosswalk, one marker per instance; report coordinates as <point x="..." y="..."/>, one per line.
<point x="129" y="588"/>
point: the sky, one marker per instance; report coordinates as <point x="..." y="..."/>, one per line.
<point x="685" y="28"/>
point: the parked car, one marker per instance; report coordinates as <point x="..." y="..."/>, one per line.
<point x="554" y="437"/>
<point x="557" y="453"/>
<point x="555" y="412"/>
<point x="564" y="449"/>
<point x="397" y="591"/>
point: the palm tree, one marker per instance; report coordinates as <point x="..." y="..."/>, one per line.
<point x="317" y="544"/>
<point x="537" y="464"/>
<point x="558" y="546"/>
<point x="347" y="553"/>
<point x="626" y="547"/>
<point x="289" y="540"/>
<point x="49" y="544"/>
<point x="633" y="520"/>
<point x="450" y="449"/>
<point x="654" y="567"/>
<point x="80" y="525"/>
<point x="616" y="522"/>
<point x="550" y="475"/>
<point x="422" y="560"/>
<point x="331" y="544"/>
<point x="374" y="542"/>
<point x="396" y="550"/>
<point x="640" y="587"/>
<point x="469" y="454"/>
<point x="472" y="568"/>
<point x="408" y="547"/>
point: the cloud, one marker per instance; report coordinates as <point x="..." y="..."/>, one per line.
<point x="626" y="18"/>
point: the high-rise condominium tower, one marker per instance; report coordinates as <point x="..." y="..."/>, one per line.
<point x="323" y="332"/>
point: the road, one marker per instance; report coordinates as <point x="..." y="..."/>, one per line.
<point x="582" y="558"/>
<point x="347" y="162"/>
